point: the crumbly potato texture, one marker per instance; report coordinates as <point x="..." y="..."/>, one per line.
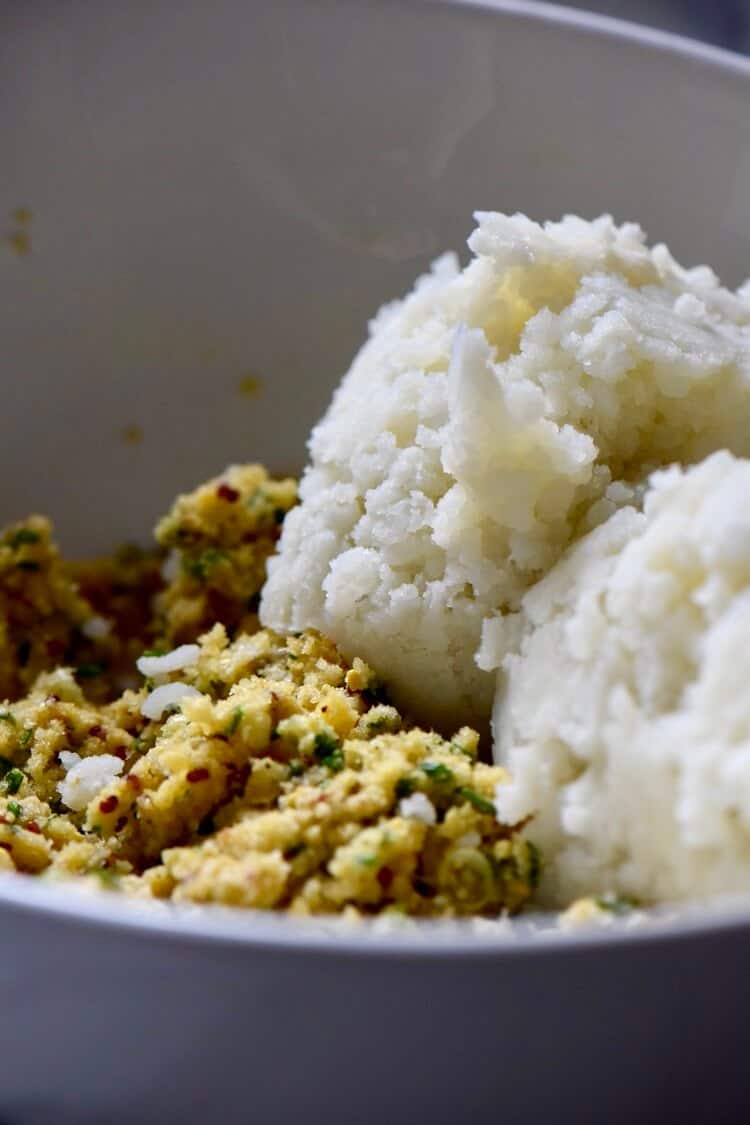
<point x="238" y="766"/>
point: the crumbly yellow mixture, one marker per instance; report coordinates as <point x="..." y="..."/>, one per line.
<point x="272" y="774"/>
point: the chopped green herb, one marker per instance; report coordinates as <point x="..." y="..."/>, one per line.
<point x="153" y="652"/>
<point x="23" y="535"/>
<point x="234" y="721"/>
<point x="108" y="878"/>
<point x="296" y="767"/>
<point x="480" y="803"/>
<point x="405" y="786"/>
<point x="27" y="564"/>
<point x="616" y="904"/>
<point x="462" y="750"/>
<point x="367" y="860"/>
<point x="200" y="566"/>
<point x="14" y="780"/>
<point x="439" y="773"/>
<point x="6" y="717"/>
<point x="25" y="737"/>
<point x="89" y="671"/>
<point x="15" y="809"/>
<point x="328" y="751"/>
<point x="534" y="863"/>
<point x="325" y="744"/>
<point x="377" y="724"/>
<point x="5" y="765"/>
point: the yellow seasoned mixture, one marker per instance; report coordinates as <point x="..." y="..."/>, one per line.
<point x="155" y="738"/>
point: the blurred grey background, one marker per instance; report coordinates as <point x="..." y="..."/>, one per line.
<point x="725" y="23"/>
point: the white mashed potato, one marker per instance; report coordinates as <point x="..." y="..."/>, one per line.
<point x="624" y="711"/>
<point x="494" y="415"/>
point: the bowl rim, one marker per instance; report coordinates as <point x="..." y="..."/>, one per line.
<point x="601" y="26"/>
<point x="532" y="935"/>
<point x="74" y="904"/>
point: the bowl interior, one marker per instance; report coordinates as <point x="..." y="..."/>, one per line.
<point x="222" y="194"/>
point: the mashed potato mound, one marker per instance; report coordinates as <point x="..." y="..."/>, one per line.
<point x="638" y="759"/>
<point x="494" y="415"/>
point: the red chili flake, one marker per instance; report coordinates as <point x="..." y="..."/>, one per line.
<point x="109" y="804"/>
<point x="97" y="731"/>
<point x="385" y="877"/>
<point x="121" y="824"/>
<point x="134" y="782"/>
<point x="226" y="492"/>
<point x="32" y="826"/>
<point x="120" y="752"/>
<point x="7" y="847"/>
<point x="199" y="774"/>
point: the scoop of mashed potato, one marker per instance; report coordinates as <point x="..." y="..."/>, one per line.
<point x="624" y="711"/>
<point x="495" y="414"/>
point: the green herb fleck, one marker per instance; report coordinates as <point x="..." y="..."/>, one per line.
<point x="534" y="864"/>
<point x="14" y="780"/>
<point x="108" y="878"/>
<point x="6" y="717"/>
<point x="438" y="773"/>
<point x="367" y="860"/>
<point x="328" y="751"/>
<point x="15" y="809"/>
<point x="405" y="786"/>
<point x="153" y="652"/>
<point x="5" y="765"/>
<point x="89" y="671"/>
<point x="616" y="904"/>
<point x="296" y="767"/>
<point x="25" y="737"/>
<point x="480" y="803"/>
<point x="235" y="720"/>
<point x="462" y="750"/>
<point x="200" y="566"/>
<point x="22" y="536"/>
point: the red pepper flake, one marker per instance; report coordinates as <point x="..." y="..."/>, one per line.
<point x="199" y="774"/>
<point x="6" y="847"/>
<point x="120" y="752"/>
<point x="123" y="820"/>
<point x="32" y="826"/>
<point x="97" y="731"/>
<point x="109" y="804"/>
<point x="226" y="492"/>
<point x="134" y="782"/>
<point x="385" y="877"/>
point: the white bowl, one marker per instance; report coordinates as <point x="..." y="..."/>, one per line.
<point x="232" y="188"/>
